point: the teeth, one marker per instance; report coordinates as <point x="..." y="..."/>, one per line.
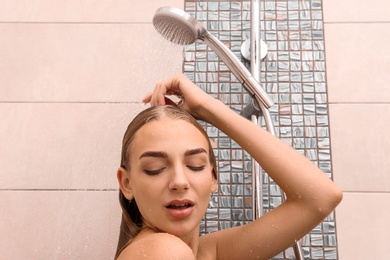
<point x="179" y="205"/>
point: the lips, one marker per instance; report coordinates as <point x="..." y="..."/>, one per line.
<point x="179" y="209"/>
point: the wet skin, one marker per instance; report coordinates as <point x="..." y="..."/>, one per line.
<point x="171" y="176"/>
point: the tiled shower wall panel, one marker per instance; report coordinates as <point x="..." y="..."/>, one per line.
<point x="293" y="74"/>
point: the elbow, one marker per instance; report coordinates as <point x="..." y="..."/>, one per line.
<point x="337" y="197"/>
<point x="330" y="201"/>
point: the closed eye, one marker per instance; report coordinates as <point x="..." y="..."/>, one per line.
<point x="196" y="168"/>
<point x="153" y="172"/>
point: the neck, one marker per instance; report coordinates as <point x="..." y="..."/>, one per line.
<point x="192" y="240"/>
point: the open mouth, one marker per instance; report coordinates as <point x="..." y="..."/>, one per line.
<point x="180" y="209"/>
<point x="180" y="206"/>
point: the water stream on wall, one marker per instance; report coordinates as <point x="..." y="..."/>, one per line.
<point x="158" y="60"/>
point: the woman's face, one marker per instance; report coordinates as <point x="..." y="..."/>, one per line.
<point x="171" y="176"/>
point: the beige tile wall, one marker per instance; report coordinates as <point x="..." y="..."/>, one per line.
<point x="70" y="80"/>
<point x="72" y="74"/>
<point x="356" y="43"/>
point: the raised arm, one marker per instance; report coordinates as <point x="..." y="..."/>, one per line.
<point x="311" y="195"/>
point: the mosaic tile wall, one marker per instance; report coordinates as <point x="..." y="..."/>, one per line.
<point x="293" y="73"/>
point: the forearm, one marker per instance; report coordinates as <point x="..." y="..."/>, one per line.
<point x="299" y="178"/>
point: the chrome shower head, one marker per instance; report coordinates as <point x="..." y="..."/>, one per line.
<point x="180" y="27"/>
<point x="177" y="26"/>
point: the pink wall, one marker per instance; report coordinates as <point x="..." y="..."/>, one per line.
<point x="357" y="36"/>
<point x="72" y="75"/>
<point x="70" y="80"/>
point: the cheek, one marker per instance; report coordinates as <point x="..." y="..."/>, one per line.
<point x="205" y="186"/>
<point x="142" y="191"/>
<point x="205" y="196"/>
<point x="146" y="201"/>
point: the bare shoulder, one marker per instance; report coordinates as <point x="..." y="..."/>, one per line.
<point x="157" y="246"/>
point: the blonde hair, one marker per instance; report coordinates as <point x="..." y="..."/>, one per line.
<point x="131" y="216"/>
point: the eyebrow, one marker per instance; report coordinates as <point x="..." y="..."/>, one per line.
<point x="157" y="154"/>
<point x="161" y="154"/>
<point x="194" y="151"/>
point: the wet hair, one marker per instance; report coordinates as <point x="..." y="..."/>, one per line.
<point x="131" y="217"/>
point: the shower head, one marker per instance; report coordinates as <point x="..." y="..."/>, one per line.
<point x="177" y="26"/>
<point x="180" y="27"/>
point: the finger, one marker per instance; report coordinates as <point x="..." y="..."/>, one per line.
<point x="154" y="101"/>
<point x="147" y="98"/>
<point x="160" y="92"/>
<point x="169" y="86"/>
<point x="158" y="95"/>
<point x="162" y="89"/>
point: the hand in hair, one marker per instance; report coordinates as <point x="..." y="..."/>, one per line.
<point x="192" y="98"/>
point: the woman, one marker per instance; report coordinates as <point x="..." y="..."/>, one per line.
<point x="168" y="172"/>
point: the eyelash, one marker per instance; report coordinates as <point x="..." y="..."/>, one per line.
<point x="196" y="169"/>
<point x="192" y="168"/>
<point x="154" y="172"/>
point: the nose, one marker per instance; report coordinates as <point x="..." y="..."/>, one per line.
<point x="179" y="180"/>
